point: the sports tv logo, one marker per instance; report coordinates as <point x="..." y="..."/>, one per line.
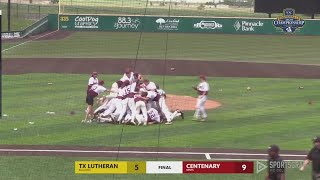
<point x="289" y="22"/>
<point x="260" y="167"/>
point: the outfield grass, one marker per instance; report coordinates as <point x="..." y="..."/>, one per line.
<point x="47" y="168"/>
<point x="275" y="111"/>
<point x="259" y="48"/>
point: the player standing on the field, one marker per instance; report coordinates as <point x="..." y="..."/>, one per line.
<point x="92" y="80"/>
<point x="203" y="90"/>
<point x="314" y="157"/>
<point x="93" y="92"/>
<point x="276" y="166"/>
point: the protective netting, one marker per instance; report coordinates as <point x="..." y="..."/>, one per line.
<point x="157" y="7"/>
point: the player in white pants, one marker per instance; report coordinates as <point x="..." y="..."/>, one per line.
<point x="141" y="107"/>
<point x="203" y="90"/>
<point x="113" y="94"/>
<point x="124" y="91"/>
<point x="107" y="115"/>
<point x="155" y="118"/>
<point x="131" y="103"/>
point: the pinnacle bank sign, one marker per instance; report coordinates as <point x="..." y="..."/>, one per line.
<point x="247" y="26"/>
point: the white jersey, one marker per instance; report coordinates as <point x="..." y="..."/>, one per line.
<point x="161" y="92"/>
<point x="133" y="87"/>
<point x="98" y="89"/>
<point x="203" y="87"/>
<point x="93" y="81"/>
<point x="151" y="86"/>
<point x="126" y="78"/>
<point x="124" y="92"/>
<point x="114" y="89"/>
<point x="151" y="95"/>
<point x="153" y="115"/>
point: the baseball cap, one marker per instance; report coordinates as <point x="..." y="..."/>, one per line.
<point x="101" y="82"/>
<point x="125" y="83"/>
<point x="316" y="139"/>
<point x="128" y="70"/>
<point x="202" y="77"/>
<point x="119" y="83"/>
<point x="273" y="148"/>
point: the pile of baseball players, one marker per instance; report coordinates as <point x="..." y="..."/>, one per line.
<point x="131" y="100"/>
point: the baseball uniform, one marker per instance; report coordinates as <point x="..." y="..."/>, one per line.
<point x="203" y="90"/>
<point x="141" y="107"/>
<point x="126" y="78"/>
<point x="123" y="93"/>
<point x="151" y="86"/>
<point x="153" y="98"/>
<point x="153" y="116"/>
<point x="93" y="92"/>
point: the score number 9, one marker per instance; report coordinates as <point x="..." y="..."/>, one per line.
<point x="244" y="167"/>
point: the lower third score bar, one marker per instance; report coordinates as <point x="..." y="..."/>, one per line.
<point x="226" y="167"/>
<point x="163" y="167"/>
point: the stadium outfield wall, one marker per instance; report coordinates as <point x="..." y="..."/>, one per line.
<point x="183" y="24"/>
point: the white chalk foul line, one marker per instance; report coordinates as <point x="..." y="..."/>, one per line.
<point x="207" y="156"/>
<point x="141" y="152"/>
<point x="28" y="41"/>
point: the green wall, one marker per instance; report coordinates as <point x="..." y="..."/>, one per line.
<point x="177" y="24"/>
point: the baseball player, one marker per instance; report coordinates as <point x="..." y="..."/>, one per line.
<point x="314" y="157"/>
<point x="92" y="80"/>
<point x="94" y="91"/>
<point x="153" y="100"/>
<point x="203" y="90"/>
<point x="276" y="166"/>
<point x="153" y="117"/>
<point x="141" y="108"/>
<point x="149" y="86"/>
<point x="113" y="94"/>
<point x="106" y="115"/>
<point x="128" y="75"/>
<point x="164" y="108"/>
<point x="134" y="87"/>
<point x="124" y="91"/>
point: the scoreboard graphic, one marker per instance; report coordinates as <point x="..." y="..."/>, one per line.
<point x="164" y="167"/>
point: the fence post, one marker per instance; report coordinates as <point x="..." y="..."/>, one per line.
<point x="9" y="15"/>
<point x="17" y="10"/>
<point x="39" y="11"/>
<point x="28" y="10"/>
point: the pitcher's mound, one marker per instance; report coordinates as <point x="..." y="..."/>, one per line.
<point x="187" y="103"/>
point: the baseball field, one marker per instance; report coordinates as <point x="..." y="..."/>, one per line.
<point x="49" y="72"/>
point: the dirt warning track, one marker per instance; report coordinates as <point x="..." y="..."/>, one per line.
<point x="160" y="67"/>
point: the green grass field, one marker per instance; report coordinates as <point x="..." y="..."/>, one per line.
<point x="275" y="111"/>
<point x="261" y="48"/>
